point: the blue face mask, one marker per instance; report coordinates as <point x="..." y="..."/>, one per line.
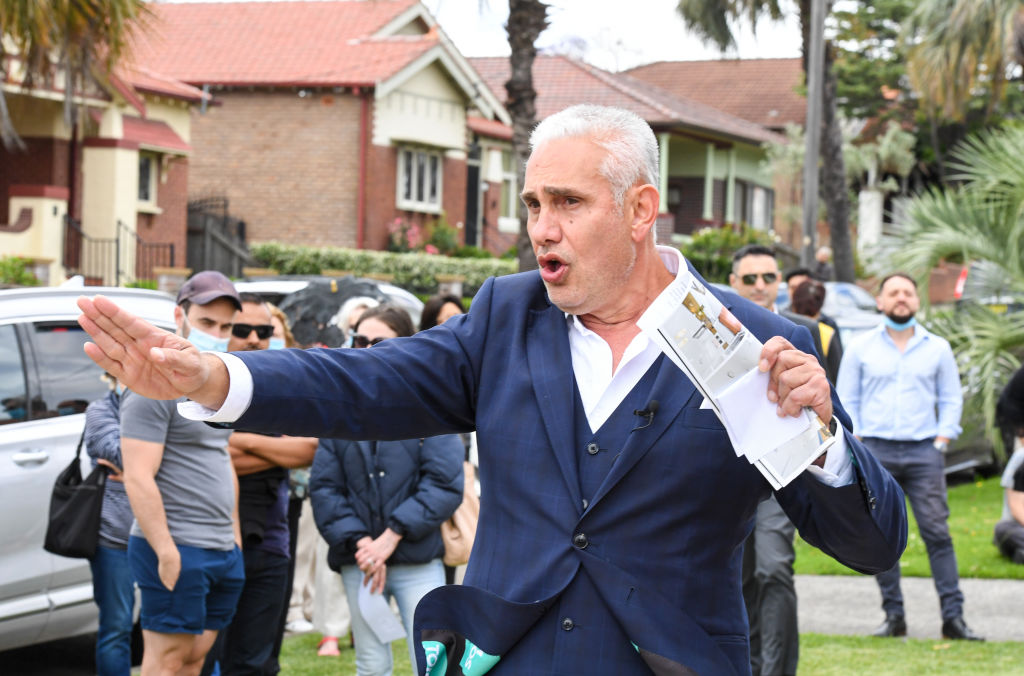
<point x="276" y="344"/>
<point x="207" y="343"/>
<point x="897" y="326"/>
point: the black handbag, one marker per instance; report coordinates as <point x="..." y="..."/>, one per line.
<point x="74" y="526"/>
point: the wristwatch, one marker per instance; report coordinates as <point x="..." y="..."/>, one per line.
<point x="940" y="446"/>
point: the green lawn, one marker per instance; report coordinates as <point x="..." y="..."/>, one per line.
<point x="974" y="509"/>
<point x="820" y="655"/>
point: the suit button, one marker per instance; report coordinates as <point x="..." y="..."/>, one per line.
<point x="592" y="448"/>
<point x="580" y="540"/>
<point x="567" y="623"/>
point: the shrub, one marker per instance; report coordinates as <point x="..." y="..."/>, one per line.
<point x="710" y="249"/>
<point x="15" y="270"/>
<point x="416" y="272"/>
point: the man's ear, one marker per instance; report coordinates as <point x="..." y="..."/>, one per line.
<point x="179" y="319"/>
<point x="645" y="202"/>
<point x="732" y="279"/>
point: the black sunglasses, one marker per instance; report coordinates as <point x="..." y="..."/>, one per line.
<point x="768" y="277"/>
<point x="359" y="340"/>
<point x="263" y="331"/>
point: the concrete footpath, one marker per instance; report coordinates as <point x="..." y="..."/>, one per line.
<point x="852" y="604"/>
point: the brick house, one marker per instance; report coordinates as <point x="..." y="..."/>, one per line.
<point x="119" y="175"/>
<point x="334" y="119"/>
<point x="711" y="170"/>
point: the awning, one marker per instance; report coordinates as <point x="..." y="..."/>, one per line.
<point x="154" y="135"/>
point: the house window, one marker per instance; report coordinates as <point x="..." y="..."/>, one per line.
<point x="508" y="217"/>
<point x="419" y="180"/>
<point x="148" y="168"/>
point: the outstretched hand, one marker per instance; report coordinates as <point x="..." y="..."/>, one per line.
<point x="796" y="380"/>
<point x="148" y="360"/>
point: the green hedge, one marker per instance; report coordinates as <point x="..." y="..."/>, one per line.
<point x="416" y="272"/>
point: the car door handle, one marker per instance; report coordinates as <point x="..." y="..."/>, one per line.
<point x="31" y="457"/>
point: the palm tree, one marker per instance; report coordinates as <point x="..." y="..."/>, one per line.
<point x="711" y="20"/>
<point x="80" y="39"/>
<point x="527" y="19"/>
<point x="980" y="223"/>
<point x="957" y="48"/>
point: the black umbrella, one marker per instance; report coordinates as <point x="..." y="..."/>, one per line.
<point x="313" y="310"/>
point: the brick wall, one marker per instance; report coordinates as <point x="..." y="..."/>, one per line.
<point x="169" y="226"/>
<point x="493" y="240"/>
<point x="43" y="162"/>
<point x="289" y="165"/>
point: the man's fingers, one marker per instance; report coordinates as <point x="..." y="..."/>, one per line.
<point x="771" y="351"/>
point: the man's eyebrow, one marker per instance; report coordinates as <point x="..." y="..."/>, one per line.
<point x="554" y="191"/>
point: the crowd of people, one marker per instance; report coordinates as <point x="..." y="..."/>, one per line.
<point x="621" y="534"/>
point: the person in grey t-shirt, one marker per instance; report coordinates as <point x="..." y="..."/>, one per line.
<point x="184" y="549"/>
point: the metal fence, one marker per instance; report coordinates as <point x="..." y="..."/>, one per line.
<point x="216" y="239"/>
<point x="113" y="261"/>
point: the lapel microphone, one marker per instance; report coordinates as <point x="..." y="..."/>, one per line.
<point x="647" y="413"/>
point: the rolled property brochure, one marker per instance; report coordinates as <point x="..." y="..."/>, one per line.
<point x="720" y="357"/>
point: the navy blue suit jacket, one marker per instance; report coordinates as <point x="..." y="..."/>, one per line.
<point x="664" y="532"/>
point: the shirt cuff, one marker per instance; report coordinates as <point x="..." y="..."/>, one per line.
<point x="240" y="388"/>
<point x="838" y="470"/>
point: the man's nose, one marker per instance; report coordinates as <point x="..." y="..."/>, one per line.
<point x="545" y="227"/>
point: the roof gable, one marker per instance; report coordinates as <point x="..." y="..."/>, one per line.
<point x="765" y="91"/>
<point x="561" y="82"/>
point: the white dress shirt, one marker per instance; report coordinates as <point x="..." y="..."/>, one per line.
<point x="601" y="389"/>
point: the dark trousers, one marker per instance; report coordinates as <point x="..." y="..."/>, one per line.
<point x="1009" y="537"/>
<point x="247" y="645"/>
<point x="770" y="593"/>
<point x="918" y="468"/>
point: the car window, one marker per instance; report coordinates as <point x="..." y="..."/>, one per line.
<point x="12" y="378"/>
<point x="68" y="378"/>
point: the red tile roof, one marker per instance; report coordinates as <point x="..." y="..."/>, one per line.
<point x="145" y="80"/>
<point x="764" y="91"/>
<point x="153" y="134"/>
<point x="491" y="128"/>
<point x="278" y="43"/>
<point x="561" y="82"/>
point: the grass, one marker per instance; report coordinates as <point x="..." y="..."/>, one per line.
<point x="820" y="655"/>
<point x="974" y="508"/>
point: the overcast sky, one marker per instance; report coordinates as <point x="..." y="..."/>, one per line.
<point x="611" y="34"/>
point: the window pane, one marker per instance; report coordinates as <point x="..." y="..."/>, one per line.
<point x="406" y="169"/>
<point x="69" y="380"/>
<point x="506" y="199"/>
<point x="145" y="174"/>
<point x="507" y="164"/>
<point x="432" y="196"/>
<point x="12" y="379"/>
<point x="421" y="171"/>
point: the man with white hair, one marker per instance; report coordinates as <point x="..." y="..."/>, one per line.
<point x="610" y="534"/>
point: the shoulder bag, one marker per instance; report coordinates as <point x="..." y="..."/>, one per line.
<point x="459" y="531"/>
<point x="74" y="525"/>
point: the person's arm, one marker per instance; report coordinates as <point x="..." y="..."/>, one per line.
<point x="949" y="397"/>
<point x="244" y="463"/>
<point x="103" y="432"/>
<point x="290" y="452"/>
<point x="848" y="386"/>
<point x="141" y="463"/>
<point x="236" y="516"/>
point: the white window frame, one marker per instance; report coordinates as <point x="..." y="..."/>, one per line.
<point x="149" y="204"/>
<point x="419" y="196"/>
<point x="509" y="222"/>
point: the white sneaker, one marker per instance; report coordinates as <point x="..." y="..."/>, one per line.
<point x="299" y="626"/>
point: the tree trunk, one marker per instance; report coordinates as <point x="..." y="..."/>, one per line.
<point x="527" y="19"/>
<point x="833" y="177"/>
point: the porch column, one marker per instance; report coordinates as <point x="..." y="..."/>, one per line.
<point x="709" y="183"/>
<point x="730" y="189"/>
<point x="663" y="140"/>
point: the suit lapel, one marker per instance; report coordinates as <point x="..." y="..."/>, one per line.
<point x="673" y="390"/>
<point x="550" y="364"/>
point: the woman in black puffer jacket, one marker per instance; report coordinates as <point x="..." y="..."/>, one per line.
<point x="380" y="506"/>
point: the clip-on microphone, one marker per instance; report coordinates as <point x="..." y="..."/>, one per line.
<point x="647" y="414"/>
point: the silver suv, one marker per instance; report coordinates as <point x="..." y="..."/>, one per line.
<point x="46" y="382"/>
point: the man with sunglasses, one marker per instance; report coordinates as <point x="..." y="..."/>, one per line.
<point x="768" y="587"/>
<point x="251" y="644"/>
<point x="184" y="545"/>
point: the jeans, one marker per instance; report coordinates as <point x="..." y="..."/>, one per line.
<point x="407" y="584"/>
<point x="250" y="638"/>
<point x="114" y="593"/>
<point x="769" y="592"/>
<point x="918" y="468"/>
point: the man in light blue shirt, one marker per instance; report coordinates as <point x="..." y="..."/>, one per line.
<point x="901" y="387"/>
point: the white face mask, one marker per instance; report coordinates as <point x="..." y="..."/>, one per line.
<point x="276" y="343"/>
<point x="207" y="343"/>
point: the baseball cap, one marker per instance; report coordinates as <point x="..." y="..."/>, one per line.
<point x="207" y="286"/>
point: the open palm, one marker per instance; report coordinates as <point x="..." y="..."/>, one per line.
<point x="148" y="360"/>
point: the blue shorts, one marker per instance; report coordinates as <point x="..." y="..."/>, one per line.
<point x="204" y="596"/>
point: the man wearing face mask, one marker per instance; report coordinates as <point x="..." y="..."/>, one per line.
<point x="250" y="645"/>
<point x="901" y="388"/>
<point x="184" y="546"/>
